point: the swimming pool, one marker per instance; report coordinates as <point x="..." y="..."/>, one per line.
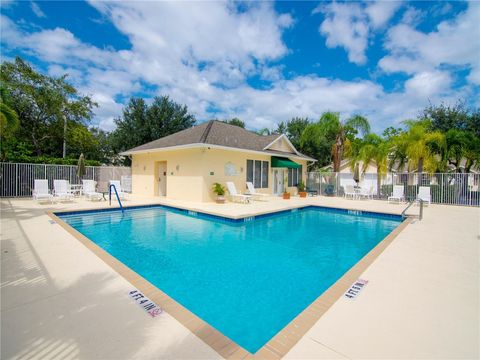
<point x="248" y="278"/>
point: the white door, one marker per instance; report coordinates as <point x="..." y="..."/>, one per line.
<point x="278" y="181"/>
<point x="162" y="178"/>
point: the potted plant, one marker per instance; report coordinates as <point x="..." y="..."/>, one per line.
<point x="219" y="190"/>
<point x="286" y="194"/>
<point x="301" y="189"/>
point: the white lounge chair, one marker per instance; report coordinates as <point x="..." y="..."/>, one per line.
<point x="398" y="193"/>
<point x="366" y="193"/>
<point x="61" y="190"/>
<point x="40" y="191"/>
<point x="424" y="194"/>
<point x="89" y="190"/>
<point x="256" y="195"/>
<point x="121" y="194"/>
<point x="235" y="196"/>
<point x="350" y="192"/>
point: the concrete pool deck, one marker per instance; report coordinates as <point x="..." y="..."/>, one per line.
<point x="61" y="301"/>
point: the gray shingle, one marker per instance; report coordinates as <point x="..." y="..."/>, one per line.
<point x="214" y="133"/>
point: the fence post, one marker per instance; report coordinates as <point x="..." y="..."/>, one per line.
<point x="16" y="180"/>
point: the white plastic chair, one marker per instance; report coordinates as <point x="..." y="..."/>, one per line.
<point x="424" y="194"/>
<point x="366" y="193"/>
<point x="89" y="190"/>
<point x="350" y="192"/>
<point x="121" y="194"/>
<point x="398" y="193"/>
<point x="255" y="195"/>
<point x="61" y="190"/>
<point x="40" y="191"/>
<point x="235" y="196"/>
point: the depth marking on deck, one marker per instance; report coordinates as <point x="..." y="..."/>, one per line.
<point x="148" y="305"/>
<point x="355" y="289"/>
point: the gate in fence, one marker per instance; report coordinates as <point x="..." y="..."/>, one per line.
<point x="445" y="188"/>
<point x="16" y="179"/>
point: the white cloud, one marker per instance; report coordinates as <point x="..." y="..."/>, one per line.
<point x="37" y="10"/>
<point x="412" y="16"/>
<point x="380" y="12"/>
<point x="345" y="26"/>
<point x="202" y="55"/>
<point x="426" y="84"/>
<point x="349" y="25"/>
<point x="452" y="43"/>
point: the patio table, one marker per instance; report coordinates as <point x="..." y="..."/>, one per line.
<point x="77" y="190"/>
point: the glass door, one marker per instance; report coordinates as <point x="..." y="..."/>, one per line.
<point x="278" y="181"/>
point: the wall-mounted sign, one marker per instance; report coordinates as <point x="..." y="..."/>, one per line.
<point x="355" y="289"/>
<point x="148" y="305"/>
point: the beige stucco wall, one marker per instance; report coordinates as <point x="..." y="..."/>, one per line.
<point x="281" y="145"/>
<point x="191" y="172"/>
<point x="184" y="174"/>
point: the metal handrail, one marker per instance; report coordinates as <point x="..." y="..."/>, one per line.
<point x="116" y="193"/>
<point x="420" y="215"/>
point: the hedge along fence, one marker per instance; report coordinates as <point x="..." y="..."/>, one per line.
<point x="16" y="179"/>
<point x="445" y="188"/>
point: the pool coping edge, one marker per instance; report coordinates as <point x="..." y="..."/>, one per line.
<point x="285" y="339"/>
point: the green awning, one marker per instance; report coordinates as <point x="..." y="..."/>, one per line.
<point x="284" y="163"/>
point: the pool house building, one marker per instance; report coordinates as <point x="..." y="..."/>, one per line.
<point x="185" y="165"/>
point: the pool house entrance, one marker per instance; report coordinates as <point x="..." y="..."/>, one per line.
<point x="162" y="178"/>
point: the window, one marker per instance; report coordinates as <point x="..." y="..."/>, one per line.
<point x="257" y="176"/>
<point x="294" y="176"/>
<point x="257" y="173"/>
<point x="264" y="174"/>
<point x="250" y="171"/>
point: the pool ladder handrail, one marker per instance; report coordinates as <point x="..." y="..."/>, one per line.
<point x="116" y="193"/>
<point x="420" y="215"/>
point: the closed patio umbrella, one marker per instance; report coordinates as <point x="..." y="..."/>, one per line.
<point x="356" y="174"/>
<point x="81" y="170"/>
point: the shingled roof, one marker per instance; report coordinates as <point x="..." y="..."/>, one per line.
<point x="216" y="133"/>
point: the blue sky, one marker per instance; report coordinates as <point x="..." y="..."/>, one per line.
<point x="263" y="62"/>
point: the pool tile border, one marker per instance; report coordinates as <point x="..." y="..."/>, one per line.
<point x="285" y="339"/>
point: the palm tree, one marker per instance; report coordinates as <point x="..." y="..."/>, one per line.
<point x="8" y="117"/>
<point x="419" y="148"/>
<point x="422" y="147"/>
<point x="374" y="148"/>
<point x="342" y="130"/>
<point x="9" y="121"/>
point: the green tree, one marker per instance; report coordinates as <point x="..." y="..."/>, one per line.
<point x="344" y="132"/>
<point x="281" y="128"/>
<point x="82" y="141"/>
<point x="141" y="123"/>
<point x="462" y="148"/>
<point x="444" y="117"/>
<point x="295" y="128"/>
<point x="317" y="140"/>
<point x="8" y="121"/>
<point x="422" y="147"/>
<point x="375" y="148"/>
<point x="236" y="122"/>
<point x="264" y="131"/>
<point x="43" y="104"/>
<point x="391" y="132"/>
<point x="8" y="117"/>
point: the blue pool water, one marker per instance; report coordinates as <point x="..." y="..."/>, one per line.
<point x="246" y="279"/>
